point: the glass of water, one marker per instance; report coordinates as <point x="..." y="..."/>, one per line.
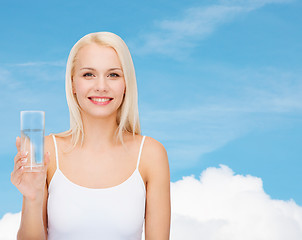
<point x="32" y="139"/>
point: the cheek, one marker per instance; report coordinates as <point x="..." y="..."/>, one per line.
<point x="79" y="87"/>
<point x="123" y="87"/>
<point x="120" y="88"/>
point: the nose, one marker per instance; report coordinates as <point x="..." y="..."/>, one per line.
<point x="101" y="84"/>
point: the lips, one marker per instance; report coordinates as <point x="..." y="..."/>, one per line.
<point x="100" y="100"/>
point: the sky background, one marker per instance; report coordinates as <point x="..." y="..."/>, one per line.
<point x="219" y="82"/>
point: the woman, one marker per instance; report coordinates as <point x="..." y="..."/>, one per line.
<point x="101" y="178"/>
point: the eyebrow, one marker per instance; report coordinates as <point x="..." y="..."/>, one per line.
<point x="110" y="69"/>
<point x="87" y="68"/>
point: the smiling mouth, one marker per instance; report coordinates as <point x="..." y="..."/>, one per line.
<point x="100" y="100"/>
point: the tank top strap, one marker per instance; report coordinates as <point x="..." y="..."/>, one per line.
<point x="55" y="143"/>
<point x="140" y="151"/>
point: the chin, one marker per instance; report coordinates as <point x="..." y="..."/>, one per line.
<point x="100" y="112"/>
<point x="101" y="115"/>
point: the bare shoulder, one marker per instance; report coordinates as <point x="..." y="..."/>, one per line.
<point x="156" y="158"/>
<point x="154" y="148"/>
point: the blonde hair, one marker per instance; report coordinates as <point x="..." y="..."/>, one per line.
<point x="127" y="115"/>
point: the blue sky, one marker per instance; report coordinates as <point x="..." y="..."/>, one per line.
<point x="219" y="82"/>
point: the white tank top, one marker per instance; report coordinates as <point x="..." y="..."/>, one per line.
<point x="79" y="213"/>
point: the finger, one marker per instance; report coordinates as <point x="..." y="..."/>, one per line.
<point x="21" y="162"/>
<point x="16" y="176"/>
<point x="18" y="143"/>
<point x="17" y="157"/>
<point x="19" y="154"/>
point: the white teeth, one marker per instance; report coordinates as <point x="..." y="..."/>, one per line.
<point x="100" y="99"/>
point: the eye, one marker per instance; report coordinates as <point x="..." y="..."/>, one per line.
<point x="113" y="75"/>
<point x="88" y="75"/>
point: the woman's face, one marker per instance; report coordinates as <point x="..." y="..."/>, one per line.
<point x="98" y="81"/>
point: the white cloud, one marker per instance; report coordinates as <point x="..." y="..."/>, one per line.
<point x="218" y="206"/>
<point x="9" y="225"/>
<point x="224" y="206"/>
<point x="195" y="24"/>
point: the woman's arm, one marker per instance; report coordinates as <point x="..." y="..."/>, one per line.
<point x="33" y="187"/>
<point x="158" y="203"/>
<point x="33" y="220"/>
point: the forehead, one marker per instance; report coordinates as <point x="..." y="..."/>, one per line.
<point x="96" y="56"/>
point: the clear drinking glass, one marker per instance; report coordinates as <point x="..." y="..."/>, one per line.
<point x="32" y="139"/>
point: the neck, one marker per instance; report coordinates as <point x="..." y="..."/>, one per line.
<point x="99" y="132"/>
